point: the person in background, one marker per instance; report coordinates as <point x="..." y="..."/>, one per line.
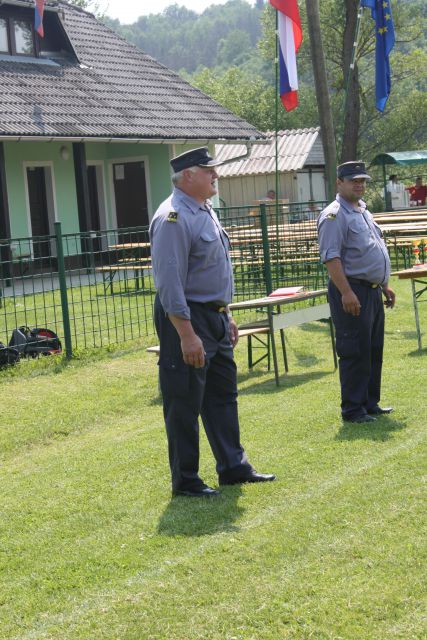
<point x="393" y="183"/>
<point x="271" y="195"/>
<point x="356" y="257"/>
<point x="194" y="280"/>
<point x="397" y="196"/>
<point x="418" y="193"/>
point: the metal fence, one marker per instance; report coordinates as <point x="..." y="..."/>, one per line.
<point x="96" y="288"/>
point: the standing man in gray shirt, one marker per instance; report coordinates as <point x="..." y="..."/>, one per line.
<point x="194" y="281"/>
<point x="352" y="247"/>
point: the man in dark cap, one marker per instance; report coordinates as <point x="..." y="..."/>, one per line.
<point x="194" y="281"/>
<point x="352" y="247"/>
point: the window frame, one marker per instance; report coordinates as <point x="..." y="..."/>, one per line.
<point x="2" y="52"/>
<point x="10" y="30"/>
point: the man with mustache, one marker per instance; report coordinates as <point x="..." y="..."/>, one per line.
<point x="354" y="252"/>
<point x="194" y="281"/>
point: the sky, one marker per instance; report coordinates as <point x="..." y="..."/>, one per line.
<point x="128" y="11"/>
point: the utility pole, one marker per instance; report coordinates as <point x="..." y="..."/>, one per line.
<point x="322" y="94"/>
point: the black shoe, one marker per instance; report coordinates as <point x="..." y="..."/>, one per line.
<point x="379" y="411"/>
<point x="359" y="419"/>
<point x="251" y="477"/>
<point x="198" y="492"/>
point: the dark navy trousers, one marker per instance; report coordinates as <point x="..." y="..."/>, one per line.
<point x="360" y="342"/>
<point x="209" y="392"/>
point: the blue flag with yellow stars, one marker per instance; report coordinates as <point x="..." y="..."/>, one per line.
<point x="384" y="29"/>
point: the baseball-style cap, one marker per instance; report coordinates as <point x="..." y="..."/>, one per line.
<point x="194" y="158"/>
<point x="352" y="170"/>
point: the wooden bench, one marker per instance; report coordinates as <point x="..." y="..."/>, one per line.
<point x="249" y="333"/>
<point x="135" y="261"/>
<point x="109" y="272"/>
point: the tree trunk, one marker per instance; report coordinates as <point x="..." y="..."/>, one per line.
<point x="351" y="83"/>
<point x="322" y="94"/>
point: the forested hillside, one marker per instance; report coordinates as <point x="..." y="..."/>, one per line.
<point x="228" y="51"/>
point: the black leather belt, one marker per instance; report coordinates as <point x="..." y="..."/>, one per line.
<point x="365" y="283"/>
<point x="215" y="305"/>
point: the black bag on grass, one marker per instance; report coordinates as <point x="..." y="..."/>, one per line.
<point x="32" y="342"/>
<point x="8" y="355"/>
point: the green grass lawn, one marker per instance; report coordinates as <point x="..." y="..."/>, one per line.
<point x="92" y="546"/>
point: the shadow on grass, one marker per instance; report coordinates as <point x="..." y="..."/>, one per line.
<point x="195" y="517"/>
<point x="417" y="353"/>
<point x="379" y="431"/>
<point x="287" y="381"/>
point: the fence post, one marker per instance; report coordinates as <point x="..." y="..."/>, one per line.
<point x="64" y="293"/>
<point x="266" y="250"/>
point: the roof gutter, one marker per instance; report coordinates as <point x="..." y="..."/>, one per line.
<point x="248" y="152"/>
<point x="112" y="140"/>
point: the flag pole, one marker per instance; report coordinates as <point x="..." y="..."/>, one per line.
<point x="276" y="141"/>
<point x="352" y="63"/>
<point x="276" y="116"/>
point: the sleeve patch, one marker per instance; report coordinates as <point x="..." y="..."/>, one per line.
<point x="172" y="217"/>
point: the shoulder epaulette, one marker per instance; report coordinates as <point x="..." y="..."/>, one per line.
<point x="331" y="211"/>
<point x="172" y="216"/>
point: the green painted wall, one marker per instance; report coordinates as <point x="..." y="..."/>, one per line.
<point x="16" y="153"/>
<point x="158" y="172"/>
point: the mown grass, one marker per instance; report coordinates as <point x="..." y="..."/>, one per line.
<point x="93" y="547"/>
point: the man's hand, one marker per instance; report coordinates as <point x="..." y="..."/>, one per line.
<point x="349" y="299"/>
<point x="350" y="303"/>
<point x="234" y="332"/>
<point x="191" y="346"/>
<point x="193" y="351"/>
<point x="390" y="297"/>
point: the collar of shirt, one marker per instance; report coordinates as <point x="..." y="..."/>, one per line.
<point x="181" y="198"/>
<point x="349" y="207"/>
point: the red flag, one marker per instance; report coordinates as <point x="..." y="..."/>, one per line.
<point x="38" y="17"/>
<point x="290" y="38"/>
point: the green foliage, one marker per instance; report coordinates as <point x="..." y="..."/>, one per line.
<point x="181" y="39"/>
<point x="228" y="52"/>
<point x="93" y="6"/>
<point x="253" y="98"/>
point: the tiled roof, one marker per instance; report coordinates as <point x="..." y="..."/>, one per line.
<point x="296" y="149"/>
<point x="116" y="91"/>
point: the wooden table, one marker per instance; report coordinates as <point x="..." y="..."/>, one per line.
<point x="278" y="319"/>
<point x="132" y="260"/>
<point x="417" y="275"/>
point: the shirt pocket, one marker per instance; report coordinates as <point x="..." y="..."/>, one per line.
<point x="210" y="245"/>
<point x="358" y="226"/>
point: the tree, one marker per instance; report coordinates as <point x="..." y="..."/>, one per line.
<point x="90" y="5"/>
<point x="322" y="93"/>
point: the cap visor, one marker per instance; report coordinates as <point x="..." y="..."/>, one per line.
<point x="211" y="163"/>
<point x="359" y="175"/>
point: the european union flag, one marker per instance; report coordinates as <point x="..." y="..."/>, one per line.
<point x="384" y="29"/>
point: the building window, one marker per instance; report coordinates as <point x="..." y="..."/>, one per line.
<point x="17" y="36"/>
<point x="4" y="40"/>
<point x="24" y="39"/>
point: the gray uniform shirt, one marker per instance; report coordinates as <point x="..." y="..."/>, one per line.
<point x="190" y="255"/>
<point x="350" y="233"/>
